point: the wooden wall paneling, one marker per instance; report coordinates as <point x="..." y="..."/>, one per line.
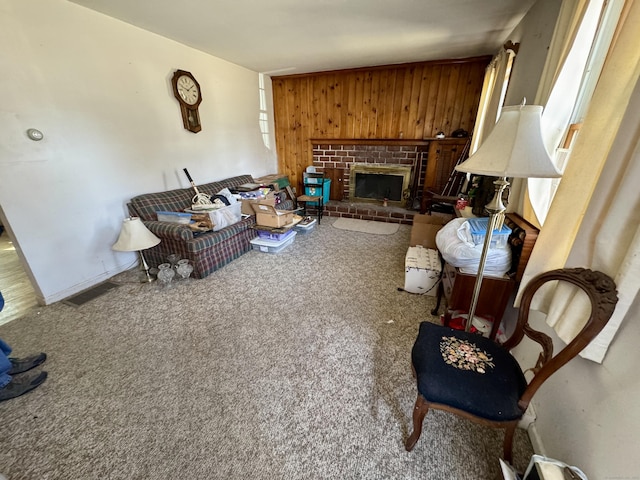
<point x="376" y="99"/>
<point x="423" y="98"/>
<point x="320" y="90"/>
<point x="357" y="120"/>
<point x="297" y="149"/>
<point x="443" y="85"/>
<point x="343" y="105"/>
<point x="382" y="113"/>
<point x="460" y="98"/>
<point x="449" y="103"/>
<point x="373" y="103"/>
<point x="405" y="103"/>
<point x="388" y="121"/>
<point x="353" y="117"/>
<point x="333" y="114"/>
<point x="305" y="132"/>
<point x="432" y="101"/>
<point x="399" y="103"/>
<point x="280" y="122"/>
<point x="473" y="91"/>
<point x="345" y="89"/>
<point x="366" y="106"/>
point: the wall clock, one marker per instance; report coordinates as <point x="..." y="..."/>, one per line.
<point x="187" y="90"/>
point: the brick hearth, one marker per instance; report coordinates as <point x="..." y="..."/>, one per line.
<point x="368" y="211"/>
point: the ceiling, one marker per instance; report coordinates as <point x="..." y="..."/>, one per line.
<point x="281" y="37"/>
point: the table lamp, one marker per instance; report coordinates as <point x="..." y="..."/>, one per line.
<point x="514" y="148"/>
<point x="135" y="237"/>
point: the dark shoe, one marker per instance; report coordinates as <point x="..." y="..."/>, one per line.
<point x="21" y="385"/>
<point x="21" y="365"/>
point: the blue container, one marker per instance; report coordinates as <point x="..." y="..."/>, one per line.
<point x="316" y="191"/>
<point x="499" y="238"/>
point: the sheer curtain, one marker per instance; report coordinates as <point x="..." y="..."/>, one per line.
<point x="559" y="88"/>
<point x="593" y="220"/>
<point x="494" y="88"/>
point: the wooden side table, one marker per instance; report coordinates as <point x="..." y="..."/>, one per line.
<point x="457" y="289"/>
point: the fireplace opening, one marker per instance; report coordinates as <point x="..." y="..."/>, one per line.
<point x="378" y="186"/>
<point x="374" y="183"/>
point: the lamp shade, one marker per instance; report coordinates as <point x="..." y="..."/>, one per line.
<point x="514" y="148"/>
<point x="135" y="236"/>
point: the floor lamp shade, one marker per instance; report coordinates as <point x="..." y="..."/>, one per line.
<point x="514" y="148"/>
<point x="134" y="236"/>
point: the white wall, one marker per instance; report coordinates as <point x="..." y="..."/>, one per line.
<point x="99" y="89"/>
<point x="587" y="414"/>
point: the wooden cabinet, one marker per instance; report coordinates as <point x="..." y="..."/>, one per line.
<point x="442" y="157"/>
<point x="494" y="292"/>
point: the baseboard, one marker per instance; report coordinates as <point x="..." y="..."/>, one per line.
<point x="536" y="440"/>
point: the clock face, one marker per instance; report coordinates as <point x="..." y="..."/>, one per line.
<point x="187" y="89"/>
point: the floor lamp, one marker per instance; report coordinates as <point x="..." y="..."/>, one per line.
<point x="514" y="148"/>
<point x="135" y="237"/>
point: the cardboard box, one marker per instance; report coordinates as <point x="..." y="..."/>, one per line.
<point x="268" y="216"/>
<point x="425" y="228"/>
<point x="247" y="209"/>
<point x="278" y="182"/>
<point x="422" y="269"/>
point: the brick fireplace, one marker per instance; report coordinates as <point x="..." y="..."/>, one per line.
<point x="378" y="161"/>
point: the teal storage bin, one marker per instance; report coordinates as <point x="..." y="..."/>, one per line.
<point x="316" y="191"/>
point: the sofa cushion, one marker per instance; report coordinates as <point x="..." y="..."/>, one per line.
<point x="145" y="206"/>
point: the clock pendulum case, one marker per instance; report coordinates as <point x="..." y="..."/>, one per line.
<point x="187" y="90"/>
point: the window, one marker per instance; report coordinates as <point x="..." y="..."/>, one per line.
<point x="263" y="118"/>
<point x="571" y="93"/>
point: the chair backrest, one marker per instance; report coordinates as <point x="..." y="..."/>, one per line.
<point x="600" y="289"/>
<point x="313" y="179"/>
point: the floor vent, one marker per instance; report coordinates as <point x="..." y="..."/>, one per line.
<point x="90" y="294"/>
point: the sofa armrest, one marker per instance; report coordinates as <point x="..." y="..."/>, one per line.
<point x="168" y="230"/>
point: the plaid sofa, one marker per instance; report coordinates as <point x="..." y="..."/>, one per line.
<point x="207" y="251"/>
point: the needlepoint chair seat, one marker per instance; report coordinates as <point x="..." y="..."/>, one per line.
<point x="476" y="378"/>
<point x="483" y="378"/>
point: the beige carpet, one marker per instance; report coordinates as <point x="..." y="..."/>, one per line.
<point x="366" y="226"/>
<point x="293" y="366"/>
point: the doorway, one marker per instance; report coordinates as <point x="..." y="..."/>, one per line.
<point x="17" y="290"/>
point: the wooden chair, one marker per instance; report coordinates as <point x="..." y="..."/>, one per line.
<point x="476" y="378"/>
<point x="314" y="184"/>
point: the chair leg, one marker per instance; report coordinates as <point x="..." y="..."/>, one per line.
<point x="419" y="411"/>
<point x="508" y="441"/>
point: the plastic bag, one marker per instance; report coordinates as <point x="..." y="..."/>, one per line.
<point x="458" y="250"/>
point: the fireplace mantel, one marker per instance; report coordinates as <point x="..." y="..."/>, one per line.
<point x="371" y="141"/>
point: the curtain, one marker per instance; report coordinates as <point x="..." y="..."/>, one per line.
<point x="592" y="221"/>
<point x="569" y="19"/>
<point x="494" y="88"/>
<point x="559" y="88"/>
